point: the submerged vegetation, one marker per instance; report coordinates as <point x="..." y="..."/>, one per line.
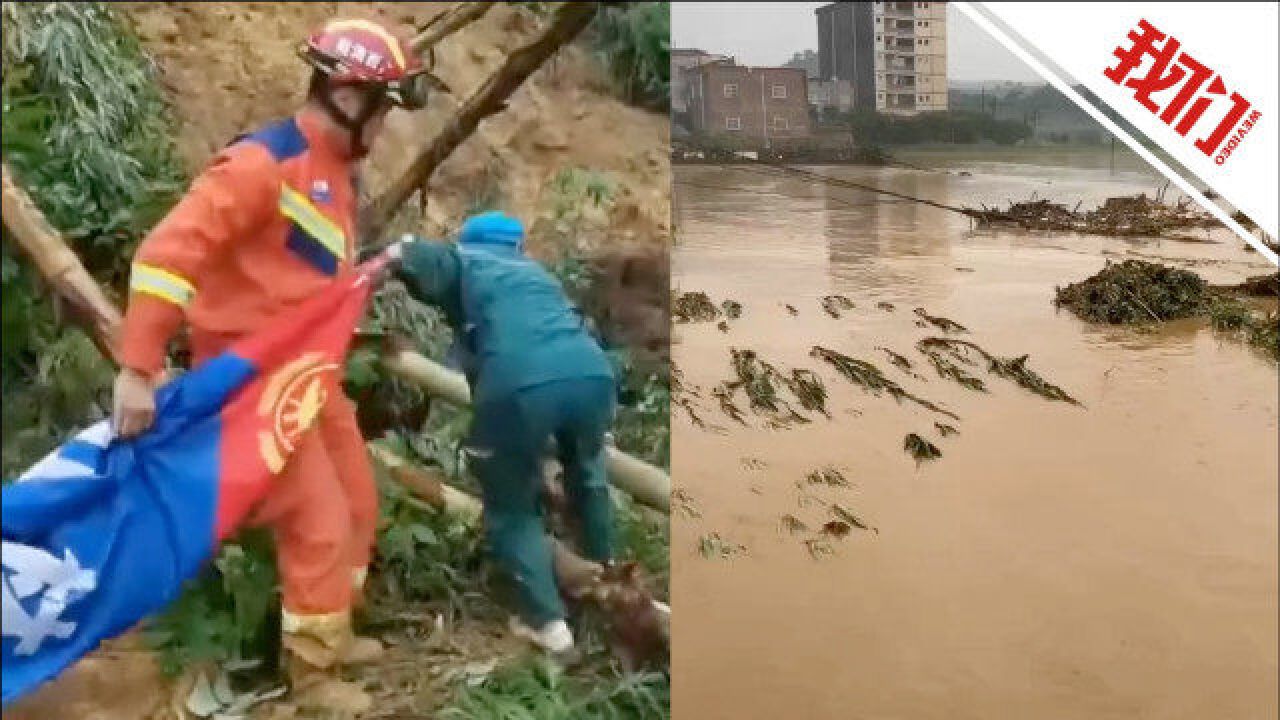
<point x="1126" y="215"/>
<point x="1139" y="292"/>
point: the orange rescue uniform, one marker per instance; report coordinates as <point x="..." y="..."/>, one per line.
<point x="267" y="225"/>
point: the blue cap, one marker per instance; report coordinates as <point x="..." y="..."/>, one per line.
<point x="492" y="228"/>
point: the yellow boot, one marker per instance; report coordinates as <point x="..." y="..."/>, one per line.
<point x="316" y="647"/>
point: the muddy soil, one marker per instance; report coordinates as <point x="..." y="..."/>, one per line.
<point x="1115" y="559"/>
<point x="230" y="67"/>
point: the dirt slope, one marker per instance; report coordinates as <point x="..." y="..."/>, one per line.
<point x="230" y="67"/>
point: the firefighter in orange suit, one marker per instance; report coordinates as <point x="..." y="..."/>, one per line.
<point x="268" y="224"/>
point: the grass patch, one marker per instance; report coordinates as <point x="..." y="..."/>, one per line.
<point x="535" y="688"/>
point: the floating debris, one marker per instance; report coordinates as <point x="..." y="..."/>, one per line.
<point x="833" y="304"/>
<point x="694" y="307"/>
<point x="871" y="379"/>
<point x="827" y="476"/>
<point x="920" y="449"/>
<point x="846" y="515"/>
<point x="1258" y="328"/>
<point x="1256" y="286"/>
<point x="836" y="528"/>
<point x="885" y="306"/>
<point x="684" y="503"/>
<point x="943" y="324"/>
<point x="791" y="309"/>
<point x="900" y="362"/>
<point x="713" y="546"/>
<point x="946" y="430"/>
<point x="1014" y="369"/>
<point x="732" y="309"/>
<point x="947" y="368"/>
<point x="819" y="548"/>
<point x="693" y="415"/>
<point x="793" y="524"/>
<point x="760" y="379"/>
<point x="1124" y="215"/>
<point x="722" y="326"/>
<point x="809" y="389"/>
<point x="725" y="396"/>
<point x="1136" y="291"/>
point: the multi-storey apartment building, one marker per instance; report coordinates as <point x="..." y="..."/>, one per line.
<point x="893" y="54"/>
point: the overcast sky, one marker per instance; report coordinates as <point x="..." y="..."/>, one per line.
<point x="768" y="33"/>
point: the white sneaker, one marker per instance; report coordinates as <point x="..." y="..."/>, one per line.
<point x="554" y="637"/>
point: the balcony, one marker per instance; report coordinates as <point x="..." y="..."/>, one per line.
<point x="899" y="10"/>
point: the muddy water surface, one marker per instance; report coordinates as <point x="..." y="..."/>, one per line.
<point x="1116" y="560"/>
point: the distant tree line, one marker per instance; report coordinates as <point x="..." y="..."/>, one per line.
<point x="870" y="128"/>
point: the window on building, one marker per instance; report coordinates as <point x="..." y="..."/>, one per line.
<point x="733" y="123"/>
<point x="780" y="123"/>
<point x="778" y="92"/>
<point x="731" y="90"/>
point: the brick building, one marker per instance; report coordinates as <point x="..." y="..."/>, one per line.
<point x="756" y="105"/>
<point x="683" y="61"/>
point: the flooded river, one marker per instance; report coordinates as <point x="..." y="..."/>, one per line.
<point x="1114" y="560"/>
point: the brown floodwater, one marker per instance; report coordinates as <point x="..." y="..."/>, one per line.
<point x="1115" y="560"/>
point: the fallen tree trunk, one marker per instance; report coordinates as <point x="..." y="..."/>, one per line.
<point x="569" y="20"/>
<point x="449" y="22"/>
<point x="623" y="598"/>
<point x="646" y="483"/>
<point x="60" y="267"/>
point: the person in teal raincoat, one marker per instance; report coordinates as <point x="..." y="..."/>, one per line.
<point x="536" y="374"/>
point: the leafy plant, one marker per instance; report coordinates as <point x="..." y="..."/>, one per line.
<point x="535" y="688"/>
<point x="225" y="615"/>
<point x="633" y="41"/>
<point x="85" y="131"/>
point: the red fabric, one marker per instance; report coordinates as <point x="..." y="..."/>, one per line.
<point x="323" y="509"/>
<point x="315" y="338"/>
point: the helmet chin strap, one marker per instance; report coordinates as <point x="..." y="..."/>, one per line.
<point x="354" y="125"/>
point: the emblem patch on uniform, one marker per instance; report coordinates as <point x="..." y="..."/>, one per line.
<point x="320" y="191"/>
<point x="290" y="404"/>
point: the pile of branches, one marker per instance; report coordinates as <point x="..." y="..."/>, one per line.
<point x="1126" y="215"/>
<point x="1136" y="291"/>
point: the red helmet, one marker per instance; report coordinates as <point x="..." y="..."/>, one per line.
<point x="362" y="52"/>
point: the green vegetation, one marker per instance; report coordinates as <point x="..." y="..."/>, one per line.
<point x="1140" y="292"/>
<point x="536" y="689"/>
<point x="86" y="133"/>
<point x="955" y="126"/>
<point x="633" y="41"/>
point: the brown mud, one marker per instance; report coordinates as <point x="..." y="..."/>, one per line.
<point x="1105" y="561"/>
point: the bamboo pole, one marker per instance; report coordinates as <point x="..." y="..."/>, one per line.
<point x="569" y="20"/>
<point x="648" y="484"/>
<point x="578" y="577"/>
<point x="60" y="267"/>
